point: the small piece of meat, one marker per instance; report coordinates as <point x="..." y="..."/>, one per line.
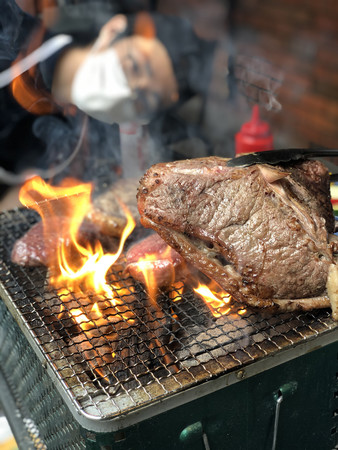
<point x="107" y="213"/>
<point x="260" y="232"/>
<point x="165" y="264"/>
<point x="31" y="249"/>
<point x="36" y="248"/>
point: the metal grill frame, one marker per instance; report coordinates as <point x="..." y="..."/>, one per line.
<point x="212" y="374"/>
<point x="37" y="413"/>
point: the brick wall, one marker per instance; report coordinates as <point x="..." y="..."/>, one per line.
<point x="285" y="54"/>
<point x="299" y="39"/>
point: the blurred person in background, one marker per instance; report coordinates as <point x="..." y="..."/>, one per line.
<point x="127" y="67"/>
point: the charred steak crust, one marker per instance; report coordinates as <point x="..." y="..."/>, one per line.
<point x="260" y="240"/>
<point x="316" y="180"/>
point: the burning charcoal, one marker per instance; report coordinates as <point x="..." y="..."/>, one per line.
<point x="118" y="340"/>
<point x="144" y="342"/>
<point x="269" y="224"/>
<point x="133" y="357"/>
<point x="160" y="323"/>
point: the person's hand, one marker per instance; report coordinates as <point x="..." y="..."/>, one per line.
<point x="110" y="31"/>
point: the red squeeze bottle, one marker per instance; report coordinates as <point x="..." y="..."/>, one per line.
<point x="254" y="136"/>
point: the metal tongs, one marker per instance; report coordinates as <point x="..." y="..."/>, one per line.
<point x="274" y="157"/>
<point x="279" y="156"/>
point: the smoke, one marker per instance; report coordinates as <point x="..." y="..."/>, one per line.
<point x="11" y="39"/>
<point x="258" y="80"/>
<point x="96" y="154"/>
<point x="52" y="146"/>
<point x="90" y="153"/>
<point x="10" y="178"/>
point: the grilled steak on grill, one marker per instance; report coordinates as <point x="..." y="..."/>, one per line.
<point x="261" y="232"/>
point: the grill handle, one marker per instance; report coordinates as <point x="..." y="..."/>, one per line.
<point x="283" y="392"/>
<point x="192" y="431"/>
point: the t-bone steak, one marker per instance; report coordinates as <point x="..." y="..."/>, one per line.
<point x="263" y="233"/>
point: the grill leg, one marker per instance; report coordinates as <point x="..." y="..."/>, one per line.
<point x="285" y="390"/>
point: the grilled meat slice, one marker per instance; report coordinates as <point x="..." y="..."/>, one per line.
<point x="31" y="249"/>
<point x="153" y="254"/>
<point x="37" y="247"/>
<point x="261" y="232"/>
<point x="107" y="214"/>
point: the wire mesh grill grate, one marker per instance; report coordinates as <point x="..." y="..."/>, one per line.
<point x="139" y="352"/>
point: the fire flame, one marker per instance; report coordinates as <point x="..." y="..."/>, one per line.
<point x="78" y="271"/>
<point x="26" y="89"/>
<point x="77" y="268"/>
<point x="152" y="263"/>
<point x="217" y="301"/>
<point x="176" y="293"/>
<point x="145" y="266"/>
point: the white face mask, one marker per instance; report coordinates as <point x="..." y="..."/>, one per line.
<point x="101" y="90"/>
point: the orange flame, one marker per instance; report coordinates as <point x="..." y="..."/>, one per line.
<point x="177" y="291"/>
<point x="76" y="268"/>
<point x="150" y="264"/>
<point x="217" y="302"/>
<point x="27" y="89"/>
<point x="145" y="265"/>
